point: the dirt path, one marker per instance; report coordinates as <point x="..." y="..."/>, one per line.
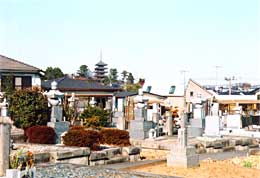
<point x="207" y="169"/>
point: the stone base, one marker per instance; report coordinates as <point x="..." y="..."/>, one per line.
<point x="183" y="158"/>
<point x="59" y="127"/>
<point x="194" y="131"/>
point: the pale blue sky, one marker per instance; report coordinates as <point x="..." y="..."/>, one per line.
<point x="154" y="39"/>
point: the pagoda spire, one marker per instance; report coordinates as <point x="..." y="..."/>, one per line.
<point x="101" y="54"/>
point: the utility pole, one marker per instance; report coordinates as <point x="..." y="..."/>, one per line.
<point x="217" y="67"/>
<point x="230" y="79"/>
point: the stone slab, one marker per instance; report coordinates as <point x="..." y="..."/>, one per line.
<point x="131" y="150"/>
<point x="98" y="155"/>
<point x="79" y="161"/>
<point x="117" y="159"/>
<point x="112" y="152"/>
<point x="66" y="154"/>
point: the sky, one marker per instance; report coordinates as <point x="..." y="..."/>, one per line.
<point x="153" y="39"/>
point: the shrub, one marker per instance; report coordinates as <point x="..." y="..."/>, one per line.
<point x="82" y="138"/>
<point x="248" y="164"/>
<point x="95" y="117"/>
<point x="77" y="128"/>
<point x="28" y="108"/>
<point x="114" y="137"/>
<point x="41" y="134"/>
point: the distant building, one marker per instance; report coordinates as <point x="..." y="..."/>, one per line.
<point x="18" y="74"/>
<point x="100" y="71"/>
<point x="85" y="90"/>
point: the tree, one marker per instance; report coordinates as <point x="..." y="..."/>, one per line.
<point x="53" y="73"/>
<point x="130" y="78"/>
<point x="113" y="75"/>
<point x="124" y="75"/>
<point x="28" y="108"/>
<point x="83" y="71"/>
<point x="132" y="87"/>
<point x="95" y="117"/>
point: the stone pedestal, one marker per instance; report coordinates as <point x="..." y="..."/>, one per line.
<point x="56" y="114"/>
<point x="5" y="134"/>
<point x="196" y="128"/>
<point x="183" y="157"/>
<point x="59" y="127"/>
<point x="139" y="127"/>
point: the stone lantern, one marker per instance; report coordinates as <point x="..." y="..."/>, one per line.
<point x="55" y="101"/>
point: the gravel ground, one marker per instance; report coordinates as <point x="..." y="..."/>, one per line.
<point x="76" y="171"/>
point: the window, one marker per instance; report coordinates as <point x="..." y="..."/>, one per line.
<point x="10" y="82"/>
<point x="18" y="83"/>
<point x="191" y="94"/>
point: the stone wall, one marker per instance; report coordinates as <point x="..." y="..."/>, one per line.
<point x="84" y="156"/>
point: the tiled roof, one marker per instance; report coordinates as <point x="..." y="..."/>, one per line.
<point x="9" y="64"/>
<point x="101" y="63"/>
<point x="69" y="84"/>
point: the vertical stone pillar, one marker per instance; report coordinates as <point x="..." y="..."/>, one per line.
<point x="169" y="123"/>
<point x="5" y="135"/>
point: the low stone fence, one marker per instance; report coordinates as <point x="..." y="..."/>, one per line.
<point x="217" y="145"/>
<point x="84" y="156"/>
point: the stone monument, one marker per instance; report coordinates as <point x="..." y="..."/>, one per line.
<point x="196" y="126"/>
<point x="139" y="127"/>
<point x="212" y="122"/>
<point x="73" y="105"/>
<point x="169" y="124"/>
<point x="3" y="107"/>
<point x="5" y="136"/>
<point x="55" y="101"/>
<point x="182" y="155"/>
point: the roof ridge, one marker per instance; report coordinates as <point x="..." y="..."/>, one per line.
<point x="19" y="62"/>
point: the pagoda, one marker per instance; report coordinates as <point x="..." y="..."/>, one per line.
<point x="100" y="70"/>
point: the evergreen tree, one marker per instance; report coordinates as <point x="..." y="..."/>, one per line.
<point x="83" y="71"/>
<point x="53" y="73"/>
<point x="130" y="78"/>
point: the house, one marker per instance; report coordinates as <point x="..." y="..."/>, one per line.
<point x="227" y="104"/>
<point x="84" y="90"/>
<point x="17" y="74"/>
<point x="195" y="92"/>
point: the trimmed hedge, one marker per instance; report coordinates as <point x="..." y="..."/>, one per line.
<point x="40" y="134"/>
<point x="114" y="137"/>
<point x="82" y="138"/>
<point x="77" y="128"/>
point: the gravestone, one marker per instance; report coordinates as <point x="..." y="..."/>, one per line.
<point x="234" y="121"/>
<point x="5" y="136"/>
<point x="119" y="120"/>
<point x="139" y="127"/>
<point x="197" y="122"/>
<point x="55" y="100"/>
<point x="182" y="156"/>
<point x="212" y="127"/>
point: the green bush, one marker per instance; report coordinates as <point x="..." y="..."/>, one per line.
<point x="95" y="117"/>
<point x="28" y="108"/>
<point x="40" y="134"/>
<point x="114" y="137"/>
<point x="248" y="164"/>
<point x="82" y="138"/>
